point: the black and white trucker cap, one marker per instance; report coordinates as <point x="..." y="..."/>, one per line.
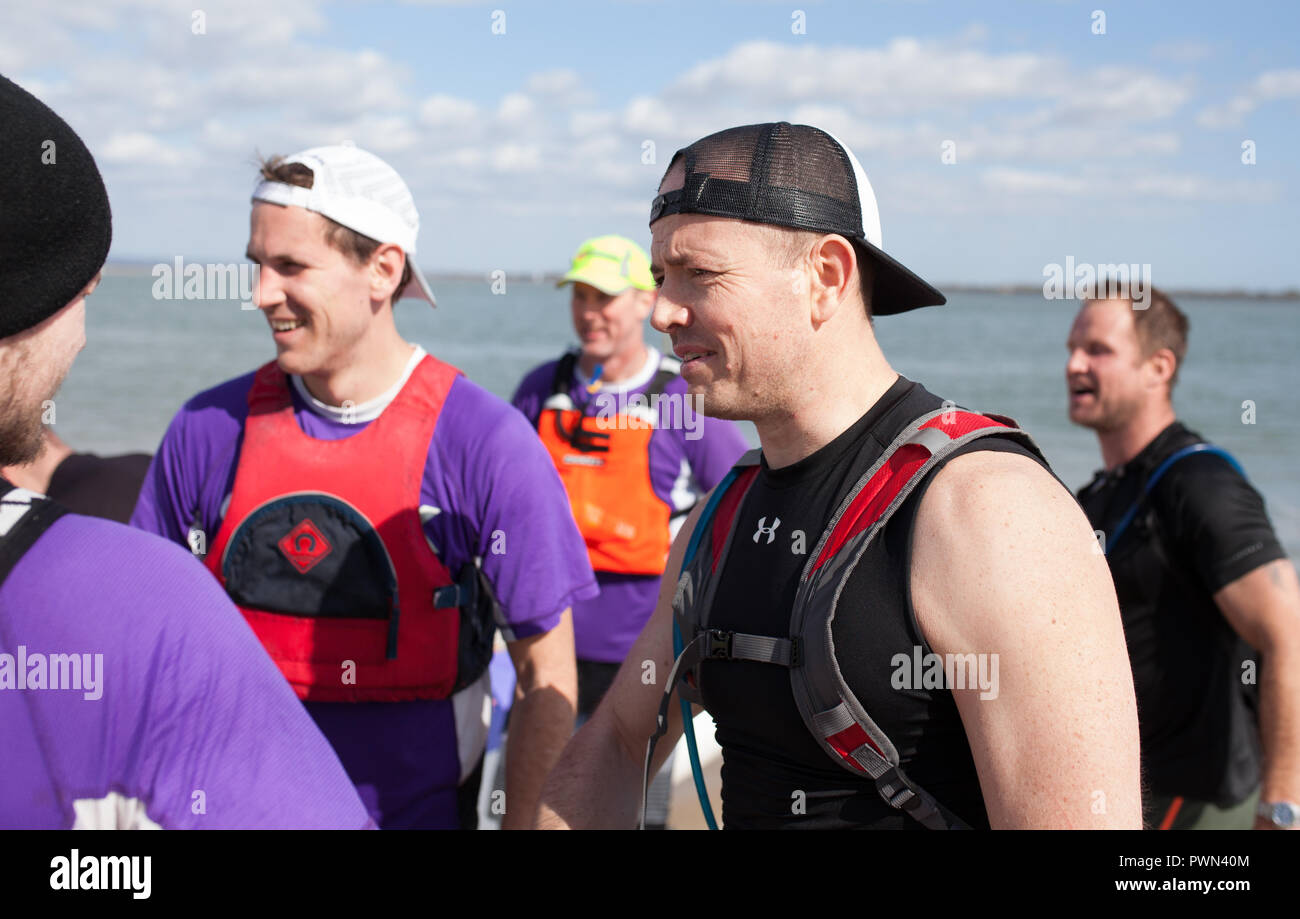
<point x="793" y="176"/>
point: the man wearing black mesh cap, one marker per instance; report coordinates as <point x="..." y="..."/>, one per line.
<point x="895" y="614"/>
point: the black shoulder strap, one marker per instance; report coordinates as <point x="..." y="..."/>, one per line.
<point x="669" y="368"/>
<point x="24" y="518"/>
<point x="563" y="378"/>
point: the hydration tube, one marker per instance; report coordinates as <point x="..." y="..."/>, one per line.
<point x="688" y="722"/>
<point x="1155" y="477"/>
<point x="688" y="728"/>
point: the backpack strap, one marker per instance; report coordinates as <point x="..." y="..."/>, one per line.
<point x="828" y="706"/>
<point x="559" y="402"/>
<point x="724" y="502"/>
<point x="1155" y="477"/>
<point x="563" y="376"/>
<point x="669" y="369"/>
<point x="24" y="518"/>
<point x="558" y="398"/>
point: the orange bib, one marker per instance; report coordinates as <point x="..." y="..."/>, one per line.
<point x="604" y="463"/>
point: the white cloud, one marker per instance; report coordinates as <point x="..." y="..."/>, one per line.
<point x="562" y="87"/>
<point x="1095" y="185"/>
<point x="141" y="149"/>
<point x="516" y="107"/>
<point x="447" y="111"/>
<point x="1268" y="87"/>
<point x="1023" y="181"/>
<point x="516" y="158"/>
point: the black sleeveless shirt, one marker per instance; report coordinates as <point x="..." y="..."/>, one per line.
<point x="774" y="774"/>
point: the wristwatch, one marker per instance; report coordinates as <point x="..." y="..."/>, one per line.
<point x="1282" y="814"/>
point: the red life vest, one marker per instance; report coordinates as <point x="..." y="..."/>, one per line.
<point x="324" y="553"/>
<point x="604" y="463"/>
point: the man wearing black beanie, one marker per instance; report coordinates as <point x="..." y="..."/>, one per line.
<point x="55" y="229"/>
<point x="88" y="607"/>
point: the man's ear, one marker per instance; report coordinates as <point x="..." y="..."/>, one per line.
<point x="1161" y="366"/>
<point x="832" y="259"/>
<point x="386" y="264"/>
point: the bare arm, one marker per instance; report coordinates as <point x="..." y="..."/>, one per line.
<point x="1264" y="608"/>
<point x="1005" y="563"/>
<point x="597" y="782"/>
<point x="542" y="720"/>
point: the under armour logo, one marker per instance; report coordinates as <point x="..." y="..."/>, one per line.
<point x="770" y="531"/>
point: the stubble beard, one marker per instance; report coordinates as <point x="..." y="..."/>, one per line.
<point x="1110" y="418"/>
<point x="22" y="433"/>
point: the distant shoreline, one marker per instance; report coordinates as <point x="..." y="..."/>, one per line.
<point x="132" y="268"/>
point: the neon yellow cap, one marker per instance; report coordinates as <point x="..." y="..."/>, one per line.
<point x="611" y="264"/>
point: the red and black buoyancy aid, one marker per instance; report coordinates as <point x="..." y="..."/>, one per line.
<point x="604" y="463"/>
<point x="323" y="551"/>
<point x="830" y="710"/>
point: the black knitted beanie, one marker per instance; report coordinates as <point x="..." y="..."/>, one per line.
<point x="55" y="224"/>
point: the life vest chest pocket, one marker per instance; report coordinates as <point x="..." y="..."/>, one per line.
<point x="310" y="555"/>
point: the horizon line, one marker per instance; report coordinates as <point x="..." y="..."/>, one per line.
<point x="139" y="267"/>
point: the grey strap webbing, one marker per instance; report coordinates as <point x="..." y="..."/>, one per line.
<point x="739" y="646"/>
<point x="24" y="518"/>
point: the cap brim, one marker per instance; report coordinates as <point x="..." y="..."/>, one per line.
<point x="896" y="289"/>
<point x="418" y="287"/>
<point x="612" y="284"/>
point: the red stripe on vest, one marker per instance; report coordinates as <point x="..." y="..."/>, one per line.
<point x="962" y="424"/>
<point x="727" y="508"/>
<point x="884" y="486"/>
<point x="874" y="497"/>
<point x="848" y="740"/>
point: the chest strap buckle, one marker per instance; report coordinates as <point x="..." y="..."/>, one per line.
<point x="719" y="646"/>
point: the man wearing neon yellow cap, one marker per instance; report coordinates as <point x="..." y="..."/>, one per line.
<point x="633" y="451"/>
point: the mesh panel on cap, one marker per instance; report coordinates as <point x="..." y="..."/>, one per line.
<point x="794" y="176"/>
<point x="788" y="175"/>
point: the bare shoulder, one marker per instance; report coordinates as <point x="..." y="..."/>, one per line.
<point x="996" y="532"/>
<point x="1004" y="562"/>
<point x="986" y="488"/>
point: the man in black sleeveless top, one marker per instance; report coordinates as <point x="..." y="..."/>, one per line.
<point x="1202" y="582"/>
<point x="766" y="250"/>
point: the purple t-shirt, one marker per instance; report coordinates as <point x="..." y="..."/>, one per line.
<point x="685" y="462"/>
<point x="177" y="718"/>
<point x="489" y="490"/>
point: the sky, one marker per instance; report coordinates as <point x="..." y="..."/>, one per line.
<point x="999" y="137"/>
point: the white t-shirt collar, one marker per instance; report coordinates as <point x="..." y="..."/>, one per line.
<point x="642" y="377"/>
<point x="364" y="411"/>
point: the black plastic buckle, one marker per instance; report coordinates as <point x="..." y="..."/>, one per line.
<point x="719" y="647"/>
<point x="463" y="594"/>
<point x="796" y="652"/>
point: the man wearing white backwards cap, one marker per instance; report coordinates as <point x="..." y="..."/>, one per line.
<point x="894" y="613"/>
<point x="374" y="514"/>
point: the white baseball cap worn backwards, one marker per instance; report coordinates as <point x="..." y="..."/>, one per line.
<point x="363" y="193"/>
